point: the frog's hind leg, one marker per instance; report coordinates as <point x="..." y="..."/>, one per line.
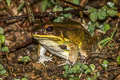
<point x="43" y="58"/>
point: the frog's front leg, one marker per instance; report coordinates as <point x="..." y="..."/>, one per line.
<point x="73" y="52"/>
<point x="43" y="58"/>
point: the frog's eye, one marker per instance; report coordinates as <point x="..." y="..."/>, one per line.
<point x="49" y="28"/>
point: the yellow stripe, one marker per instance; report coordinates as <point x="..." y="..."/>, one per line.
<point x="48" y="36"/>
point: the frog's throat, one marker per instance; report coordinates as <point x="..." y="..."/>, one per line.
<point x="51" y="36"/>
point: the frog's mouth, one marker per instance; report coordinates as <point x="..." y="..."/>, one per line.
<point x="52" y="44"/>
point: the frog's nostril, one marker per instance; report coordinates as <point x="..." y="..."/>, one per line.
<point x="63" y="46"/>
<point x="49" y="29"/>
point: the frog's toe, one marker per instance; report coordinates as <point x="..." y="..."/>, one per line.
<point x="43" y="59"/>
<point x="64" y="63"/>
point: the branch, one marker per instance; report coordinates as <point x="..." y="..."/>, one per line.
<point x="42" y="14"/>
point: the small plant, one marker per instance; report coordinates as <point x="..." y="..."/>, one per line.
<point x="105" y="64"/>
<point x="118" y="60"/>
<point x="57" y="7"/>
<point x="24" y="59"/>
<point x="21" y="6"/>
<point x="8" y="2"/>
<point x="74" y="72"/>
<point x="3" y="48"/>
<point x="62" y="16"/>
<point x="24" y="78"/>
<point x="3" y="72"/>
<point x="101" y="14"/>
<point x="107" y="40"/>
<point x="16" y="79"/>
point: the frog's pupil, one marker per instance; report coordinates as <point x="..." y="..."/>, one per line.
<point x="50" y="28"/>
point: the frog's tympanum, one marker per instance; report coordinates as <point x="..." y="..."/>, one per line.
<point x="64" y="40"/>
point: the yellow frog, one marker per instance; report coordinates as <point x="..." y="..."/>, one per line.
<point x="65" y="40"/>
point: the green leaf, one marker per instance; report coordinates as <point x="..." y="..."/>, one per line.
<point x="21" y="6"/>
<point x="118" y="60"/>
<point x="5" y="49"/>
<point x="65" y="75"/>
<point x="97" y="24"/>
<point x="24" y="79"/>
<point x="92" y="66"/>
<point x="66" y="67"/>
<point x="74" y="78"/>
<point x="1" y="67"/>
<point x="91" y="27"/>
<point x="111" y="12"/>
<point x="88" y="71"/>
<point x="104" y="40"/>
<point x="0" y="46"/>
<point x="113" y="33"/>
<point x="76" y="2"/>
<point x="24" y="59"/>
<point x="111" y="45"/>
<point x="84" y="67"/>
<point x="93" y="16"/>
<point x="68" y="8"/>
<point x="105" y="27"/>
<point x="72" y="70"/>
<point x="8" y="2"/>
<point x="57" y="8"/>
<point x="92" y="10"/>
<point x="110" y="4"/>
<point x="3" y="72"/>
<point x="101" y="14"/>
<point x="89" y="78"/>
<point x="68" y="15"/>
<point x="105" y="64"/>
<point x="2" y="38"/>
<point x="75" y="68"/>
<point x="58" y="19"/>
<point x="44" y="5"/>
<point x="1" y="30"/>
<point x="105" y="7"/>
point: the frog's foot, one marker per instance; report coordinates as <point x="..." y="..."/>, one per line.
<point x="83" y="59"/>
<point x="43" y="59"/>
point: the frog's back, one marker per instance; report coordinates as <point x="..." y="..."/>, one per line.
<point x="82" y="38"/>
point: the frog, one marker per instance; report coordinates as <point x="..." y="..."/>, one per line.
<point x="65" y="40"/>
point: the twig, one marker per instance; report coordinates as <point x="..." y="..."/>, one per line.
<point x="41" y="15"/>
<point x="83" y="2"/>
<point x="116" y="68"/>
<point x="24" y="44"/>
